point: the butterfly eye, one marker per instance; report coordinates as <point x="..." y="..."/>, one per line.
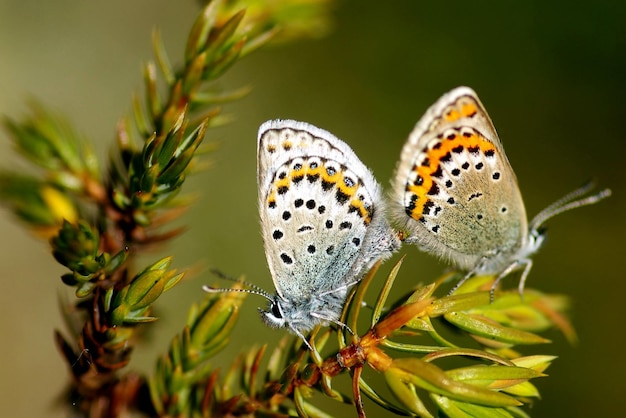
<point x="276" y="310"/>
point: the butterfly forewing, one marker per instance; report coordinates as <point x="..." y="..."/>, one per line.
<point x="454" y="186"/>
<point x="316" y="200"/>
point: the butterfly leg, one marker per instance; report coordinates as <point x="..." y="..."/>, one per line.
<point x="345" y="286"/>
<point x="334" y="321"/>
<point x="479" y="267"/>
<point x="522" y="281"/>
<point x="527" y="263"/>
<point x="460" y="282"/>
<point x="302" y="337"/>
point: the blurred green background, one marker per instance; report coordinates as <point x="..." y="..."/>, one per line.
<point x="551" y="75"/>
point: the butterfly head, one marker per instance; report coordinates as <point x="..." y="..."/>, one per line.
<point x="274" y="316"/>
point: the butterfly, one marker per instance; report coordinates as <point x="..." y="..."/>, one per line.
<point x="456" y="193"/>
<point x="323" y="223"/>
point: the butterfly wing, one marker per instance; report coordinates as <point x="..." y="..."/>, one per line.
<point x="321" y="210"/>
<point x="454" y="189"/>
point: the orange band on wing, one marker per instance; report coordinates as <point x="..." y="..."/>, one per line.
<point x="453" y="143"/>
<point x="345" y="187"/>
<point x="468" y="109"/>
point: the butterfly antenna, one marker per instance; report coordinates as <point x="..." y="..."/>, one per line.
<point x="210" y="289"/>
<point x="569" y="202"/>
<point x="253" y="289"/>
<point x="584" y="189"/>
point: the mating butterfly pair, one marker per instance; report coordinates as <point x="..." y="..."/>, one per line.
<point x="323" y="213"/>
